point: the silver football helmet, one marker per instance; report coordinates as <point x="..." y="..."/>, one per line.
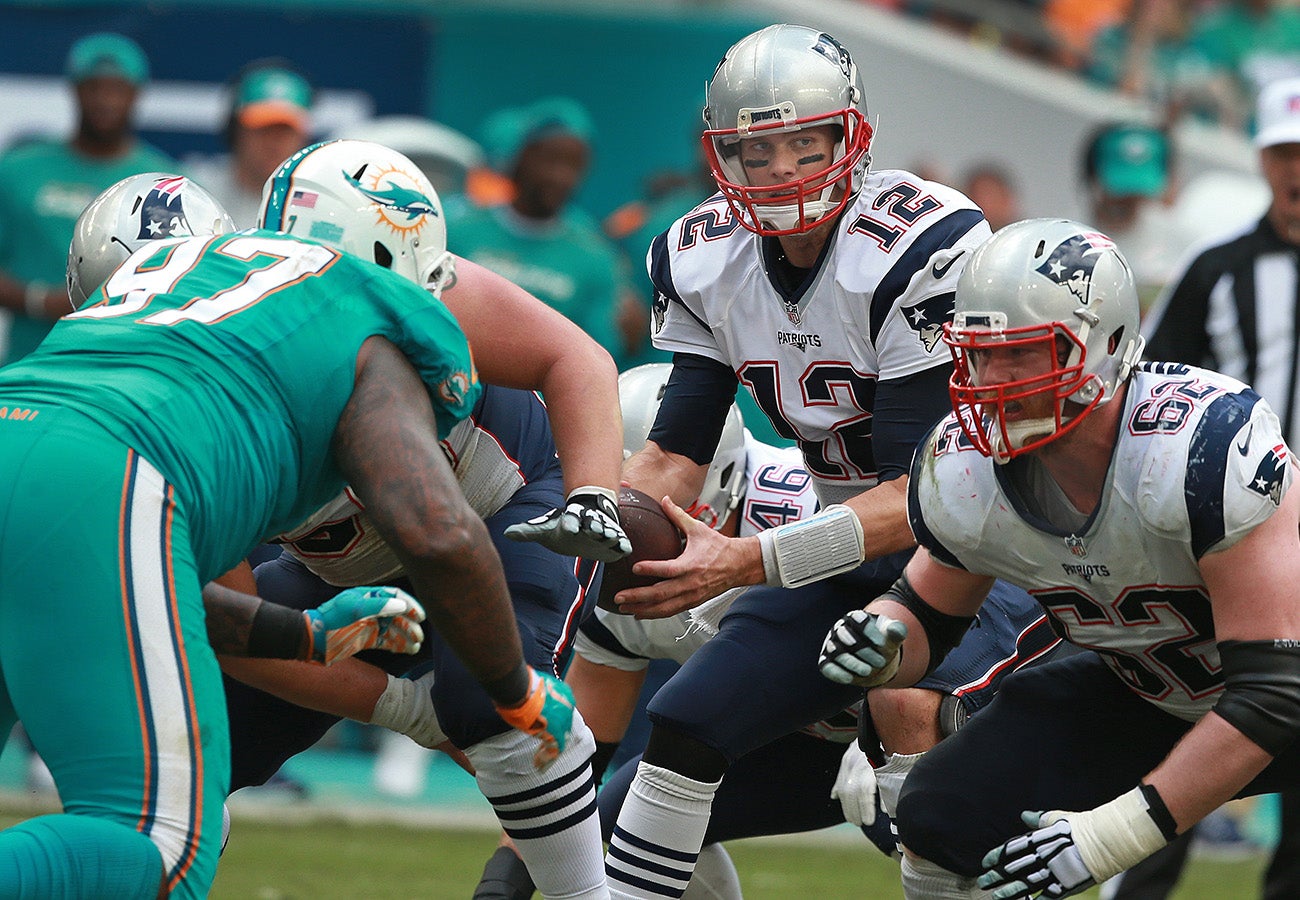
<point x="781" y="79"/>
<point x="365" y="199"/>
<point x="640" y="391"/>
<point x="136" y="210"/>
<point x="1049" y="288"/>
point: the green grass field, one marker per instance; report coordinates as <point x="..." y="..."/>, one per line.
<point x="344" y="848"/>
<point x="324" y="859"/>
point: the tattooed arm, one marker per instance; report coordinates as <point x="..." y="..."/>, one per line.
<point x="386" y="445"/>
<point x="230" y="602"/>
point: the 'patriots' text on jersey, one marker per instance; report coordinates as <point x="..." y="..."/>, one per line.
<point x="872" y="309"/>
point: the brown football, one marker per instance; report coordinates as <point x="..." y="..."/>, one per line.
<point x="653" y="536"/>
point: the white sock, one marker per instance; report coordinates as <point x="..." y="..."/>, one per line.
<point x="657" y="839"/>
<point x="890" y="778"/>
<point x="550" y="815"/>
<point x="715" y="876"/>
<point x="923" y="880"/>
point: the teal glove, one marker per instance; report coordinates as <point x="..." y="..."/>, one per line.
<point x="547" y="712"/>
<point x="364" y="618"/>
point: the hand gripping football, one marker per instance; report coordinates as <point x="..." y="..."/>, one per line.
<point x="653" y="536"/>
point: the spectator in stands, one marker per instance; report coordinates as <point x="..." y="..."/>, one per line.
<point x="1075" y="24"/>
<point x="1147" y="55"/>
<point x="268" y="120"/>
<point x="46" y="183"/>
<point x="1246" y="44"/>
<point x="1129" y="184"/>
<point x="994" y="191"/>
<point x="539" y="239"/>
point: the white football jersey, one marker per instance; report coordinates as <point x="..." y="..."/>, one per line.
<point x="1200" y="462"/>
<point x="778" y="490"/>
<point x="339" y="544"/>
<point x="873" y="309"/>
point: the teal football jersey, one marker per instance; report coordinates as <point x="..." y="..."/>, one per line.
<point x="226" y="363"/>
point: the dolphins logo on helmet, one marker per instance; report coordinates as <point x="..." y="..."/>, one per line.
<point x="396" y="197"/>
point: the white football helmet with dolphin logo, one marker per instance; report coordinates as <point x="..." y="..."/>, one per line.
<point x="365" y="199"/>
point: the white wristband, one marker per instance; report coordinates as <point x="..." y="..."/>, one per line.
<point x="406" y="707"/>
<point x="799" y="553"/>
<point x="1116" y="835"/>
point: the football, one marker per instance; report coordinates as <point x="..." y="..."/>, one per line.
<point x="653" y="536"/>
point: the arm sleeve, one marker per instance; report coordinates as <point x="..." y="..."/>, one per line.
<point x="905" y="411"/>
<point x="694" y="407"/>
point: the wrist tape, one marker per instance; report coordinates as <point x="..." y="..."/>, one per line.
<point x="611" y="496"/>
<point x="1118" y="835"/>
<point x="406" y="707"/>
<point x="799" y="553"/>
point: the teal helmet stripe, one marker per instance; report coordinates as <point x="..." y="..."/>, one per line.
<point x="281" y="181"/>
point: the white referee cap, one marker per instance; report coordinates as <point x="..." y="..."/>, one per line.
<point x="1277" y="119"/>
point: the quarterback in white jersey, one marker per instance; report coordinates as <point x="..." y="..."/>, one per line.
<point x="812" y="353"/>
<point x="821" y="287"/>
<point x="1149" y="509"/>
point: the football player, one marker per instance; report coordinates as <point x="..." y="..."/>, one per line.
<point x="546" y="524"/>
<point x="1150" y="509"/>
<point x="820" y="286"/>
<point x="212" y="391"/>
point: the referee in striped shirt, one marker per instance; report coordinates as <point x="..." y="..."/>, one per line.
<point x="1236" y="309"/>
<point x="1235" y="306"/>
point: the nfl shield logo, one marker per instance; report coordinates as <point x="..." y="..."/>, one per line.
<point x="1075" y="543"/>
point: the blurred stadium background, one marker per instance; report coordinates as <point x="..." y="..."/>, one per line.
<point x="941" y="99"/>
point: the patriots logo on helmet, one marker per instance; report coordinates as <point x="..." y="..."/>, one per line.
<point x="162" y="213"/>
<point x="833" y="50"/>
<point x="1072" y="263"/>
<point x="1270" y="473"/>
<point x="927" y="318"/>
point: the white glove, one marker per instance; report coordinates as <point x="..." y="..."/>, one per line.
<point x="855" y="787"/>
<point x="1042" y="863"/>
<point x="1068" y="852"/>
<point x="587" y="526"/>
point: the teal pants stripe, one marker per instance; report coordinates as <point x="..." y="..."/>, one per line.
<point x="103" y="647"/>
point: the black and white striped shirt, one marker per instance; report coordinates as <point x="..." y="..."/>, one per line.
<point x="1233" y="308"/>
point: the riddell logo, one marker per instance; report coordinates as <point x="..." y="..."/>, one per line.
<point x="18" y="413"/>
